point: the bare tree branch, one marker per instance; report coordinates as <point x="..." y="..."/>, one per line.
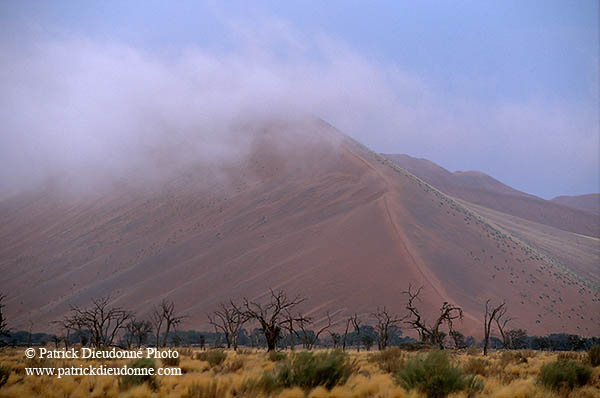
<point x="491" y="313"/>
<point x="102" y="321"/>
<point x="271" y="316"/>
<point x="229" y="319"/>
<point x="431" y="334"/>
<point x="384" y="322"/>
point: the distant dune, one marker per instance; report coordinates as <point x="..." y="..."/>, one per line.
<point x="481" y="189"/>
<point x="589" y="202"/>
<point x="313" y="212"/>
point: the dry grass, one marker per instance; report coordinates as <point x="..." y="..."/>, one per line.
<point x="511" y="374"/>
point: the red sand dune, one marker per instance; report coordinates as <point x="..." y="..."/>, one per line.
<point x="309" y="211"/>
<point x="589" y="202"/>
<point x="481" y="189"/>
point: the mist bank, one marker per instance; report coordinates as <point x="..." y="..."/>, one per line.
<point x="88" y="112"/>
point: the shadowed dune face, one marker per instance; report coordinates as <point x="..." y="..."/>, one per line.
<point x="304" y="209"/>
<point x="481" y="189"/>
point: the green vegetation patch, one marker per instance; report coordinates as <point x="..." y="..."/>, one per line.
<point x="434" y="375"/>
<point x="564" y="375"/>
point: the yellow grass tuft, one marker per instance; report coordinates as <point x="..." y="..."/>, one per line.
<point x="319" y="392"/>
<point x="292" y="393"/>
<point x="506" y="375"/>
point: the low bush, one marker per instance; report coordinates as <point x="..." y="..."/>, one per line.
<point x="390" y="360"/>
<point x="434" y="376"/>
<point x="571" y="356"/>
<point x="415" y="346"/>
<point x="140" y="365"/>
<point x="186" y="352"/>
<point x="308" y="370"/>
<point x="207" y="390"/>
<point x="277" y="356"/>
<point x="474" y="386"/>
<point x="266" y="384"/>
<point x="477" y="366"/>
<point x="244" y="351"/>
<point x="594" y="355"/>
<point x="564" y="375"/>
<point x="213" y="357"/>
<point x="517" y="357"/>
<point x="170" y="361"/>
<point x="235" y="364"/>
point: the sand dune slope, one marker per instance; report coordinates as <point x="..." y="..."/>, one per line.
<point x="481" y="189"/>
<point x="307" y="210"/>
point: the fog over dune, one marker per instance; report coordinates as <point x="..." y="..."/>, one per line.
<point x="88" y="111"/>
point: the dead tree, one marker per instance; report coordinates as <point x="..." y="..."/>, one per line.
<point x="142" y="332"/>
<point x="56" y="340"/>
<point x="271" y="316"/>
<point x="431" y="334"/>
<point x="501" y="321"/>
<point x="335" y="339"/>
<point x="229" y="319"/>
<point x="345" y="334"/>
<point x="157" y="321"/>
<point x="384" y="322"/>
<point x="65" y="324"/>
<point x="75" y="324"/>
<point x="137" y="331"/>
<point x="129" y="332"/>
<point x="309" y="337"/>
<point x="491" y="314"/>
<point x="164" y="314"/>
<point x="3" y="324"/>
<point x="458" y="338"/>
<point x="102" y="321"/>
<point x="29" y="333"/>
<point x="289" y="325"/>
<point x="355" y="320"/>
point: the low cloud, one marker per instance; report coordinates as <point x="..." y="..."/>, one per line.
<point x="92" y="111"/>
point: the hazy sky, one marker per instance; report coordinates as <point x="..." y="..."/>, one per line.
<point x="510" y="88"/>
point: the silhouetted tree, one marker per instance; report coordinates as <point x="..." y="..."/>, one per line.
<point x="164" y="314"/>
<point x="137" y="332"/>
<point x="382" y="327"/>
<point x="458" y="338"/>
<point x="3" y="323"/>
<point x="309" y="337"/>
<point x="271" y="315"/>
<point x="575" y="342"/>
<point x="491" y="314"/>
<point x="56" y="339"/>
<point x="540" y="343"/>
<point x="103" y="321"/>
<point x="367" y="340"/>
<point x="229" y="319"/>
<point x="335" y="339"/>
<point x="517" y="338"/>
<point x="348" y="321"/>
<point x="356" y="321"/>
<point x="289" y="324"/>
<point x="431" y="334"/>
<point x="29" y="333"/>
<point x="66" y="325"/>
<point x="501" y="322"/>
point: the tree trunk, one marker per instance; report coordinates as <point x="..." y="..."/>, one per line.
<point x="271" y="335"/>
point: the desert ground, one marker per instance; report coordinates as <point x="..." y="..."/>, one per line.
<point x="256" y="373"/>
